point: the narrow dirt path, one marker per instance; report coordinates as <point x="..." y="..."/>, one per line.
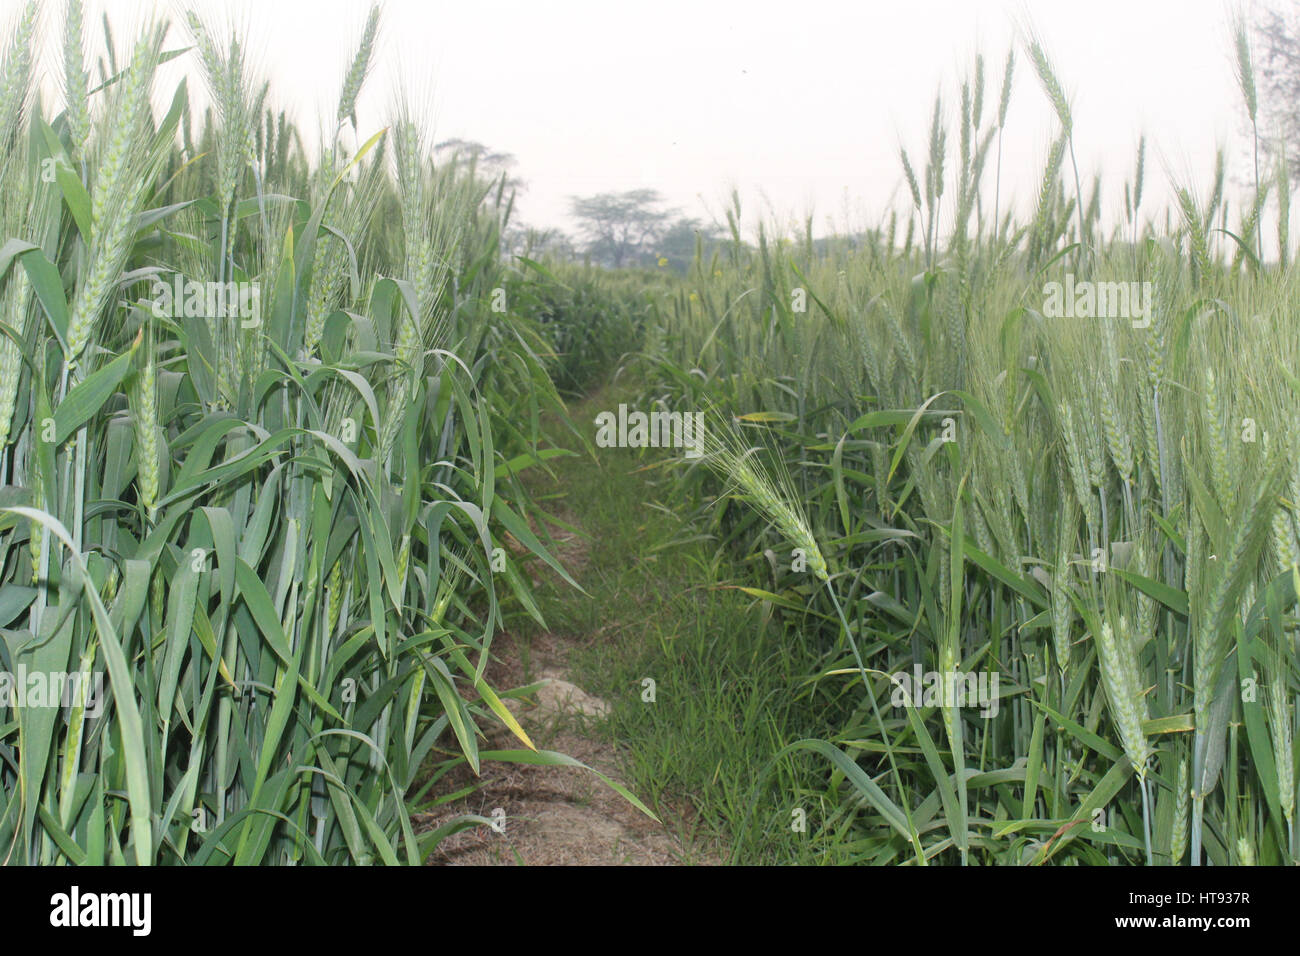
<point x="553" y="815"/>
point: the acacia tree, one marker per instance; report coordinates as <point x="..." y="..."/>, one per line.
<point x="621" y="228"/>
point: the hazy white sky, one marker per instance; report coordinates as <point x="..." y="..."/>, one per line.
<point x="801" y="106"/>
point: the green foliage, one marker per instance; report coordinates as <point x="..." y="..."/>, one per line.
<point x="1101" y="511"/>
<point x="278" y="527"/>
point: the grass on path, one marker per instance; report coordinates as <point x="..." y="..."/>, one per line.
<point x="727" y="691"/>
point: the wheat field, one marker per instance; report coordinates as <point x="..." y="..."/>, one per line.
<point x="269" y="414"/>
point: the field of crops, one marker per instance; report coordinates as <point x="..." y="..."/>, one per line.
<point x="263" y="422"/>
<point x="1086" y="514"/>
<point x="1017" y="496"/>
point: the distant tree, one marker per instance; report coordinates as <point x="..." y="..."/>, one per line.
<point x="534" y="243"/>
<point x="621" y="228"/>
<point x="1277" y="63"/>
<point x="473" y="150"/>
<point x="676" y="247"/>
<point x="487" y="163"/>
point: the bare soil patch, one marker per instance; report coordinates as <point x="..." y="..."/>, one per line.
<point x="553" y="815"/>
